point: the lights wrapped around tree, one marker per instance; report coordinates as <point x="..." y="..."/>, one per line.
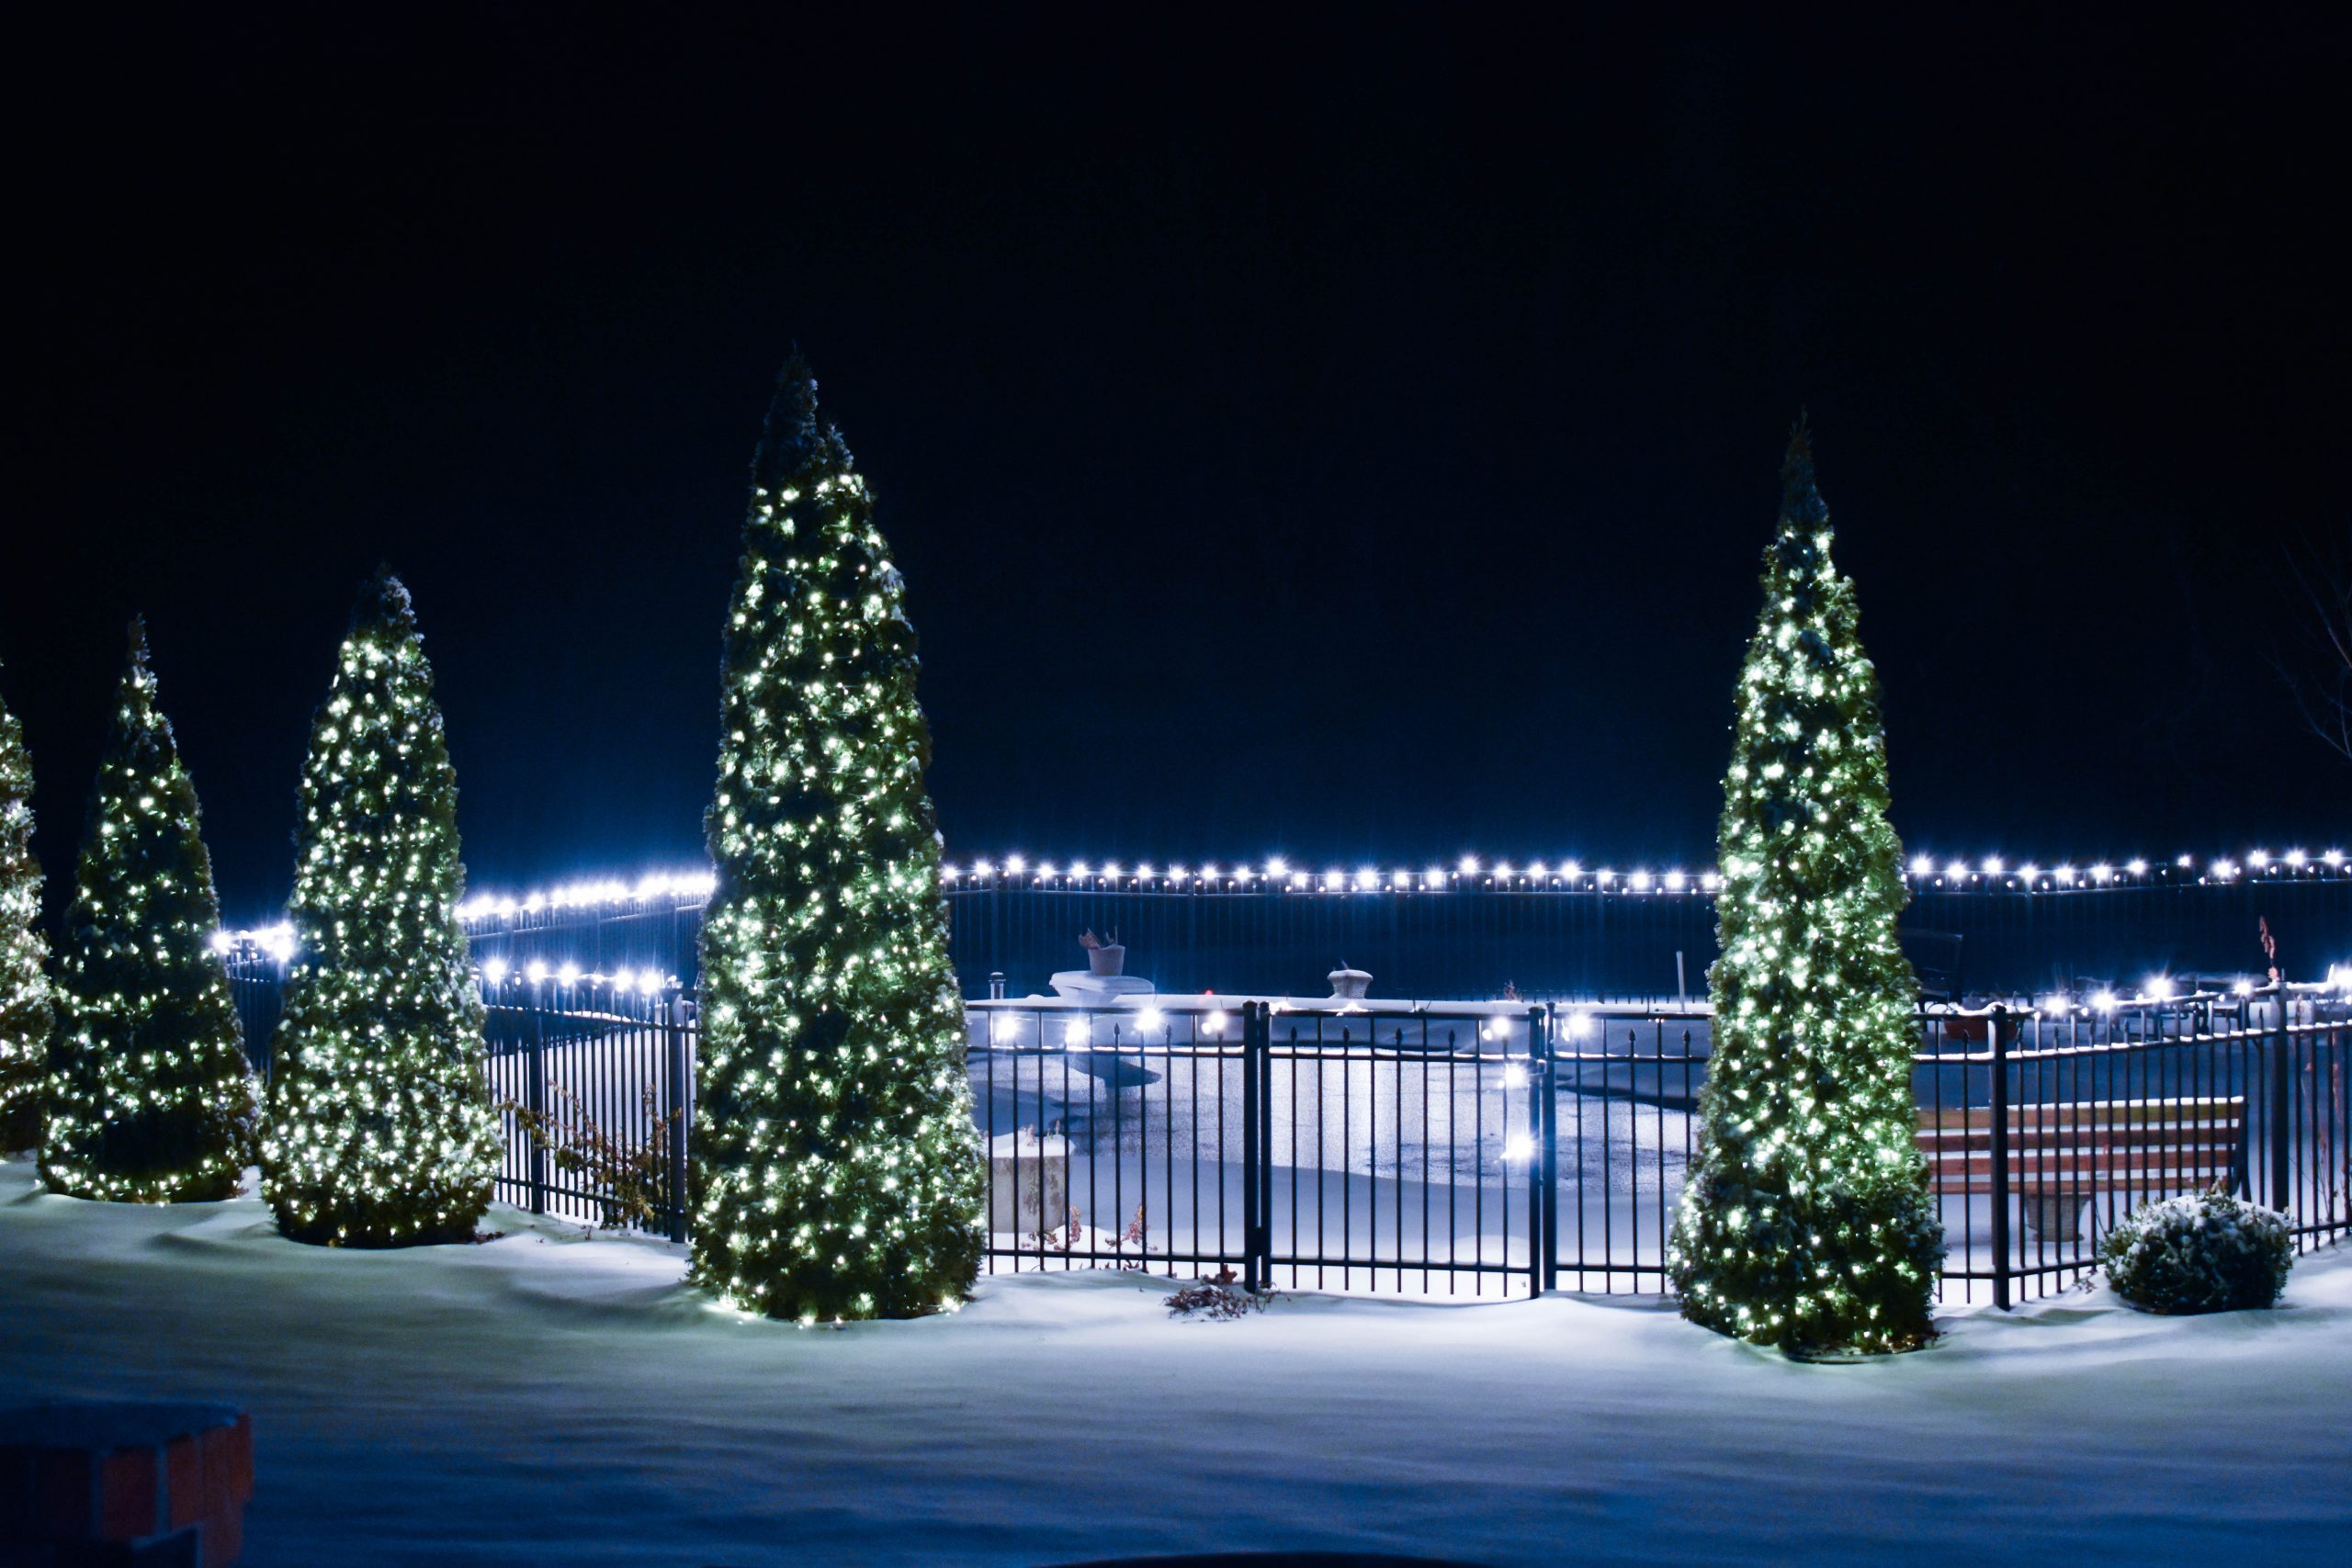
<point x="149" y="1097"/>
<point x="381" y="1131"/>
<point x="837" y="1174"/>
<point x="23" y="977"/>
<point x="1806" y="1221"/>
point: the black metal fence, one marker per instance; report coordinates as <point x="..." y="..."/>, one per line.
<point x="594" y="1087"/>
<point x="1551" y="936"/>
<point x="1472" y="1150"/>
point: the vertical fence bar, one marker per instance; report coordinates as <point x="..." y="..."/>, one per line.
<point x="1252" y="1259"/>
<point x="534" y="1094"/>
<point x="1544" y="1236"/>
<point x="2001" y="1026"/>
<point x="675" y="1102"/>
<point x="2281" y="1091"/>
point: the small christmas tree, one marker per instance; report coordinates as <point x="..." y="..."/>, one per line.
<point x="24" y="982"/>
<point x="837" y="1171"/>
<point x="381" y="1131"/>
<point x="1806" y="1221"/>
<point x="149" y="1099"/>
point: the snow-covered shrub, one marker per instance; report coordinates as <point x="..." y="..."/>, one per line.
<point x="2205" y="1252"/>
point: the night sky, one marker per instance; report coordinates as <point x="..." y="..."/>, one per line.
<point x="1352" y="437"/>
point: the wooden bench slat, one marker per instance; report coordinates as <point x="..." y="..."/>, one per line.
<point x="2117" y="1112"/>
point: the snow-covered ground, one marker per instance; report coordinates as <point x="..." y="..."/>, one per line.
<point x="548" y="1399"/>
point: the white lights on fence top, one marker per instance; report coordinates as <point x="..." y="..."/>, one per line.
<point x="1216" y="1023"/>
<point x="2185" y="862"/>
<point x="2158" y="988"/>
<point x="1923" y="865"/>
<point x="1074" y="1032"/>
<point x="1639" y="882"/>
<point x="536" y="972"/>
<point x="2103" y="999"/>
<point x="2136" y="867"/>
<point x="2334" y="857"/>
<point x="2257" y="858"/>
<point x="494" y="970"/>
<point x="1580" y="1025"/>
<point x="1469" y="865"/>
<point x="1150" y="1018"/>
<point x="1956" y="871"/>
<point x="1276" y="868"/>
<point x="1571" y="868"/>
<point x="2296" y="859"/>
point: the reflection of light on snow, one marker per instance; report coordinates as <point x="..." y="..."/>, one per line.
<point x="1519" y="1146"/>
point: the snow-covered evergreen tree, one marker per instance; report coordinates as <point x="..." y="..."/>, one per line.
<point x="837" y="1171"/>
<point x="149" y="1097"/>
<point x="1806" y="1223"/>
<point x="381" y="1131"/>
<point x="24" y="980"/>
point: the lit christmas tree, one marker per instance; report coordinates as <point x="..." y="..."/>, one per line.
<point x="381" y="1131"/>
<point x="24" y="984"/>
<point x="1806" y="1223"/>
<point x="149" y="1097"/>
<point x="837" y="1171"/>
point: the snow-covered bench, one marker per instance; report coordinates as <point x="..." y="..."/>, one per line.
<point x="2062" y="1156"/>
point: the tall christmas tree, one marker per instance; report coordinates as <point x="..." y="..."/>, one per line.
<point x="837" y="1171"/>
<point x="150" y="1099"/>
<point x="24" y="982"/>
<point x="1806" y="1223"/>
<point x="381" y="1131"/>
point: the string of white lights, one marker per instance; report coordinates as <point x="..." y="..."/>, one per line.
<point x="1926" y="872"/>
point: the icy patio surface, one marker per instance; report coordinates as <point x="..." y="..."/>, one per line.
<point x="549" y="1400"/>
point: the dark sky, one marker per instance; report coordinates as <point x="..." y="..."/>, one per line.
<point x="1350" y="436"/>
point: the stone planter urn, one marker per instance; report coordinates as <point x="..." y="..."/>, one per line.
<point x="1111" y="958"/>
<point x="2053" y="1217"/>
<point x="1028" y="1182"/>
<point x="1350" y="985"/>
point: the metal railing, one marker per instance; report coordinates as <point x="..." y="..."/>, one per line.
<point x="1473" y="1150"/>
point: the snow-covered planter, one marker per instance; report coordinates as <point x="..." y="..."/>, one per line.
<point x="2205" y="1252"/>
